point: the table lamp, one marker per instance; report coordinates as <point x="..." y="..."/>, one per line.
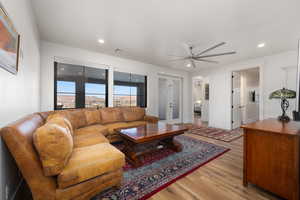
<point x="283" y="94"/>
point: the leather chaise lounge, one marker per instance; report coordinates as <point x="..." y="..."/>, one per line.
<point x="67" y="154"/>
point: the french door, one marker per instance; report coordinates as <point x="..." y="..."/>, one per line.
<point x="170" y="99"/>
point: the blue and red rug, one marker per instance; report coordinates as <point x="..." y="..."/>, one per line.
<point x="162" y="168"/>
<point x="217" y="134"/>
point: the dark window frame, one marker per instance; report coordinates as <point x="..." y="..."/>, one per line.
<point x="79" y="88"/>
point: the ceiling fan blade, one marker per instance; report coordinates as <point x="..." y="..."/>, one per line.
<point x="204" y="60"/>
<point x="193" y="63"/>
<point x="211" y="48"/>
<point x="179" y="59"/>
<point x="217" y="54"/>
<point x="176" y="56"/>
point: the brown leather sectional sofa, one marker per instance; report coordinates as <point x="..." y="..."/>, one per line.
<point x="67" y="154"/>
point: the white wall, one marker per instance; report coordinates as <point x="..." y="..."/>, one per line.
<point x="50" y="50"/>
<point x="272" y="77"/>
<point x="19" y="93"/>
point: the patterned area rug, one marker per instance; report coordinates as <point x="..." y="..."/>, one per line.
<point x="162" y="168"/>
<point x="218" y="134"/>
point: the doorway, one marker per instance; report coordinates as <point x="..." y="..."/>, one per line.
<point x="170" y="99"/>
<point x="245" y="96"/>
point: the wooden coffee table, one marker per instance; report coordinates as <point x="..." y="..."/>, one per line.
<point x="144" y="139"/>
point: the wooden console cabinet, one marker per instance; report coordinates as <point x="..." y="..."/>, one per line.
<point x="271" y="157"/>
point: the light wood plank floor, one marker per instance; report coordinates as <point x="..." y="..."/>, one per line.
<point x="220" y="179"/>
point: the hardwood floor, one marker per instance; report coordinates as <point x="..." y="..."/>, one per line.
<point x="218" y="179"/>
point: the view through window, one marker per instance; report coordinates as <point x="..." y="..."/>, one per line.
<point x="79" y="87"/>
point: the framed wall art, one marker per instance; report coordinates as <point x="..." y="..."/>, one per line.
<point x="9" y="43"/>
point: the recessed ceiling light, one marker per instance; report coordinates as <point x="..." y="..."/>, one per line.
<point x="261" y="45"/>
<point x="188" y="65"/>
<point x="101" y="41"/>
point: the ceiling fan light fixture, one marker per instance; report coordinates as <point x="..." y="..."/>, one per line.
<point x="101" y="41"/>
<point x="261" y="45"/>
<point x="189" y="65"/>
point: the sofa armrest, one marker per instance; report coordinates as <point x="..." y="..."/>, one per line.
<point x="151" y="119"/>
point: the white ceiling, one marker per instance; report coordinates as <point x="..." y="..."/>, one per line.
<point x="150" y="30"/>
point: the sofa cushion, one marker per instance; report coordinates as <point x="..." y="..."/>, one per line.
<point x="92" y="116"/>
<point x="54" y="144"/>
<point x="133" y="113"/>
<point x="111" y="115"/>
<point x="112" y="127"/>
<point x="97" y="129"/>
<point x="89" y="139"/>
<point x="61" y="120"/>
<point x="89" y="162"/>
<point x="137" y="123"/>
<point x="77" y="118"/>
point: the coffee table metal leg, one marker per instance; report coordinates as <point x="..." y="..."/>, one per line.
<point x="173" y="144"/>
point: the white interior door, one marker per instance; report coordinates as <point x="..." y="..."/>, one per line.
<point x="236" y="100"/>
<point x="169" y="93"/>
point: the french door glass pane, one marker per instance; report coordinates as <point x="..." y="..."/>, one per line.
<point x="163" y="98"/>
<point x="176" y="99"/>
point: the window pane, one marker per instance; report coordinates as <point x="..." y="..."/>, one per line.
<point x="137" y="78"/>
<point x="79" y="87"/>
<point x="66" y="71"/>
<point x="129" y="89"/>
<point x="65" y="86"/>
<point x="95" y="73"/>
<point x="121" y="90"/>
<point x="133" y="91"/>
<point x="121" y="76"/>
<point x="133" y="100"/>
<point x="95" y="95"/>
<point x="121" y="100"/>
<point x="65" y="101"/>
<point x="95" y="101"/>
<point x="65" y="94"/>
<point x="94" y="88"/>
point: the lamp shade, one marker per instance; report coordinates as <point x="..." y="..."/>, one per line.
<point x="283" y="93"/>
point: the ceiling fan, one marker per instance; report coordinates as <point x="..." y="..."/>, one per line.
<point x="201" y="56"/>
